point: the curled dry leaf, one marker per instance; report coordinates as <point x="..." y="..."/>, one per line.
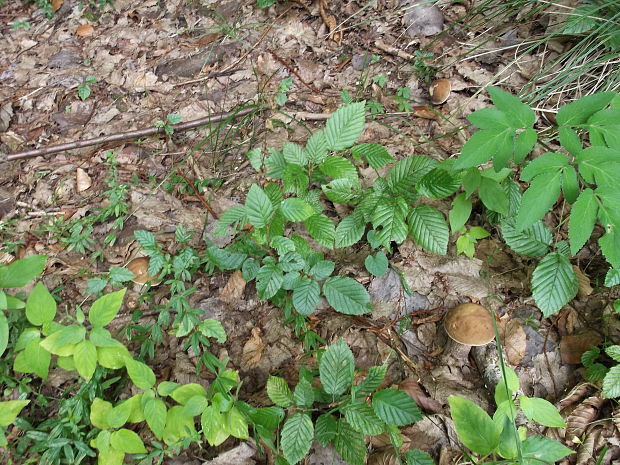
<point x="253" y="350"/>
<point x="428" y="404"/>
<point x="383" y="457"/>
<point x="514" y="340"/>
<point x="233" y="290"/>
<point x="85" y="30"/>
<point x="584" y="288"/>
<point x="82" y="180"/>
<point x="579" y="392"/>
<point x="579" y="420"/>
<point x="57" y="4"/>
<point x="588" y="445"/>
<point x="573" y="346"/>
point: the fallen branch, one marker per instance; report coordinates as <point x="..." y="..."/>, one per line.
<point x="124" y="136"/>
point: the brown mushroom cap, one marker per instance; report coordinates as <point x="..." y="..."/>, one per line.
<point x="469" y="324"/>
<point x="139" y="267"/>
<point x="439" y="91"/>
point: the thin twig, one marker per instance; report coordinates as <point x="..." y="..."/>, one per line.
<point x="198" y="196"/>
<point x="123" y="136"/>
<point x="287" y="66"/>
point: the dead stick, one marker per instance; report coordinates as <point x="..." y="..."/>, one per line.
<point x="313" y="89"/>
<point x="198" y="196"/>
<point x="124" y="136"/>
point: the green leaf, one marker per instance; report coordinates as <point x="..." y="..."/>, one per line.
<point x="322" y="230"/>
<point x="304" y="394"/>
<point x="316" y="147"/>
<point x="570" y="184"/>
<point x="184" y="393"/>
<point x="570" y="140"/>
<point x="349" y="231"/>
<point x="336" y="368"/>
<point x="429" y="229"/>
<point x="341" y="191"/>
<point x="579" y="111"/>
<point x="66" y="336"/>
<point x="269" y="281"/>
<point x="339" y="168"/>
<point x="612" y="278"/>
<point x="406" y="173"/>
<point x="459" y="214"/>
<point x="258" y="206"/>
<point x="214" y="329"/>
<point x="279" y="392"/>
<point x="493" y="196"/>
<point x="613" y="352"/>
<point x="120" y="274"/>
<point x="489" y="118"/>
<point x="345" y="126"/>
<point x="322" y="270"/>
<point x="306" y="296"/>
<point x="236" y="424"/>
<point x="99" y="411"/>
<point x="377" y="265"/>
<point x="127" y="441"/>
<point x="373" y="380"/>
<point x="482" y="146"/>
<point x="350" y="443"/>
<point x="104" y="309"/>
<point x="295" y="209"/>
<point x="438" y="183"/>
<point x="40" y="306"/>
<point x="541" y="411"/>
<point x="532" y="242"/>
<point x="294" y="154"/>
<point x="295" y="180"/>
<point x="538" y="199"/>
<point x="396" y="407"/>
<point x="583" y="216"/>
<point x="362" y="418"/>
<point x="610" y="246"/>
<point x="326" y="429"/>
<point x="155" y="416"/>
<point x="473" y="425"/>
<point x="10" y="409"/>
<point x="376" y="155"/>
<point x="519" y="114"/>
<point x="347" y="295"/>
<point x="141" y="375"/>
<point x="233" y="216"/>
<point x="212" y="422"/>
<point x="85" y="359"/>
<point x="508" y="439"/>
<point x="524" y="143"/>
<point x="21" y="272"/>
<point x="545" y="163"/>
<point x="388" y="219"/>
<point x="554" y="283"/>
<point x="4" y="333"/>
<point x="418" y="457"/>
<point x="255" y="157"/>
<point x="296" y="437"/>
<point x="537" y="450"/>
<point x="611" y="383"/>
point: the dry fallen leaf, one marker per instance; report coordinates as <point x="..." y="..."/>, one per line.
<point x="56" y="4"/>
<point x="573" y="346"/>
<point x="514" y="340"/>
<point x="85" y="30"/>
<point x="423" y="111"/>
<point x="83" y="181"/>
<point x="584" y="283"/>
<point x="428" y="404"/>
<point x="253" y="350"/>
<point x="233" y="290"/>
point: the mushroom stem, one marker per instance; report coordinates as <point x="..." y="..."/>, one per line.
<point x="487" y="360"/>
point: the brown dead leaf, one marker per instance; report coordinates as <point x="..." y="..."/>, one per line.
<point x="573" y="346"/>
<point x="584" y="283"/>
<point x="428" y="404"/>
<point x="253" y="350"/>
<point x="85" y="30"/>
<point x="423" y="111"/>
<point x="82" y="180"/>
<point x="514" y="340"/>
<point x="57" y="4"/>
<point x="233" y="290"/>
<point x="579" y="420"/>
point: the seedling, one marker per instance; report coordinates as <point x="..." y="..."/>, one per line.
<point x="84" y="89"/>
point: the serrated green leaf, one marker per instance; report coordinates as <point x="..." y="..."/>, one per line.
<point x="613" y="352"/>
<point x="255" y="157"/>
<point x="295" y="209"/>
<point x="336" y="368"/>
<point x="554" y="283"/>
<point x="396" y="407"/>
<point x="295" y="180"/>
<point x="578" y="112"/>
<point x="306" y="296"/>
<point x="362" y="418"/>
<point x="611" y="383"/>
<point x="349" y="231"/>
<point x="547" y="162"/>
<point x="341" y="191"/>
<point x="322" y="270"/>
<point x="538" y="199"/>
<point x="377" y="265"/>
<point x="326" y="429"/>
<point x="347" y="295"/>
<point x="438" y="183"/>
<point x="339" y="168"/>
<point x="541" y="411"/>
<point x="350" y="443"/>
<point x="258" y="207"/>
<point x="376" y="155"/>
<point x="532" y="242"/>
<point x="316" y="147"/>
<point x="612" y="278"/>
<point x="482" y="146"/>
<point x="582" y="219"/>
<point x="294" y="154"/>
<point x="418" y="457"/>
<point x="429" y="229"/>
<point x="596" y="372"/>
<point x="304" y="394"/>
<point x="275" y="164"/>
<point x="322" y="230"/>
<point x="345" y="126"/>
<point x="279" y="392"/>
<point x="519" y="114"/>
<point x="406" y="173"/>
<point x="570" y="140"/>
<point x="524" y="143"/>
<point x="473" y="425"/>
<point x="493" y="196"/>
<point x="388" y="219"/>
<point x="373" y="380"/>
<point x="268" y="281"/>
<point x="296" y="437"/>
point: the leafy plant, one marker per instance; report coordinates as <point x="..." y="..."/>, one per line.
<point x="498" y="435"/>
<point x="283" y="88"/>
<point x="84" y="89"/>
<point x="597" y="371"/>
<point x="337" y="411"/>
<point x="421" y="67"/>
<point x="584" y="176"/>
<point x="171" y="119"/>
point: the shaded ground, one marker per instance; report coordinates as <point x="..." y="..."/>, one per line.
<point x="151" y="59"/>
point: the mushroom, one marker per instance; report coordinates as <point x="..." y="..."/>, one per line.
<point x="439" y="91"/>
<point x="139" y="267"/>
<point x="469" y="324"/>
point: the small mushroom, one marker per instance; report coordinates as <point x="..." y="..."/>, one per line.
<point x="469" y="324"/>
<point x="139" y="267"/>
<point x="439" y="91"/>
